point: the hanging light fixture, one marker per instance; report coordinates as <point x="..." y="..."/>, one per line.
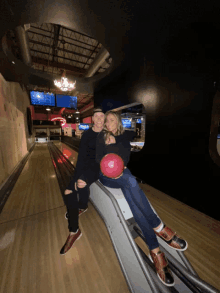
<point x="64" y="84"/>
<point x="77" y="116"/>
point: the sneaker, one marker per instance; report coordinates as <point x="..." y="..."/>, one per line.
<point x="80" y="213"/>
<point x="70" y="241"/>
<point x="162" y="268"/>
<point x="172" y="239"/>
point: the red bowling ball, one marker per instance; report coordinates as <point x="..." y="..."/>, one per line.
<point x="112" y="166"/>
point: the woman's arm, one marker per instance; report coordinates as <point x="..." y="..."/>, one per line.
<point x="126" y="136"/>
<point x="119" y="145"/>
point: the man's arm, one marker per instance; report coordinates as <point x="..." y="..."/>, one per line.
<point x="80" y="161"/>
<point x="100" y="147"/>
<point x="82" y="155"/>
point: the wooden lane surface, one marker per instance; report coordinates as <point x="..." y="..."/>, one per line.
<point x="31" y="262"/>
<point x="201" y="232"/>
<point x="67" y="151"/>
<point x="33" y="230"/>
<point x="37" y="189"/>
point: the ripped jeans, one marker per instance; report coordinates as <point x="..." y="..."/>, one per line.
<point x="138" y="203"/>
<point x="74" y="203"/>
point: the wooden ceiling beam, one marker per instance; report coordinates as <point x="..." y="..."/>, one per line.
<point x="61" y="49"/>
<point x="72" y="69"/>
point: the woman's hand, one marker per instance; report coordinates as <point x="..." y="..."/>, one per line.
<point x="121" y="174"/>
<point x="110" y="140"/>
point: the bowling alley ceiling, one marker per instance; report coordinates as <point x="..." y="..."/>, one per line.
<point x="54" y="48"/>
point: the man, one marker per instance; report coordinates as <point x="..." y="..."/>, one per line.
<point x="87" y="172"/>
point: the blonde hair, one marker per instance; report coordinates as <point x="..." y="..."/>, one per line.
<point x="120" y="128"/>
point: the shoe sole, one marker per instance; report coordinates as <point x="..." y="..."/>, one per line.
<point x="72" y="245"/>
<point x="168" y="285"/>
<point x="83" y="212"/>
<point x="79" y="214"/>
<point x="177" y="249"/>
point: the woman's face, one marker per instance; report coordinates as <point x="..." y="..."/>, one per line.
<point x="111" y="123"/>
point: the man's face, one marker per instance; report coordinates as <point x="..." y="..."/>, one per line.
<point x="98" y="119"/>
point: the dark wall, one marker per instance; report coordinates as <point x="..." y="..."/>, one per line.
<point x="178" y="102"/>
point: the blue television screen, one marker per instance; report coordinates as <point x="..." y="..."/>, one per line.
<point x="42" y="99"/>
<point x="138" y="120"/>
<point x="66" y="101"/>
<point x="83" y="126"/>
<point x="126" y="123"/>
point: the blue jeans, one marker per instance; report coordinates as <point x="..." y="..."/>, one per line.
<point x="138" y="203"/>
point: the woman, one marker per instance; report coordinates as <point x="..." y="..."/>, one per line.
<point x="114" y="139"/>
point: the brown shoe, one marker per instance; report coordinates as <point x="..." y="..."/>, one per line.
<point x="69" y="242"/>
<point x="172" y="239"/>
<point x="163" y="271"/>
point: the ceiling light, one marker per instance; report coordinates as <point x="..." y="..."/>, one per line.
<point x="64" y="84"/>
<point x="12" y="62"/>
<point x="48" y="109"/>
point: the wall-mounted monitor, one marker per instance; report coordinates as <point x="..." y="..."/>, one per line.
<point x="126" y="123"/>
<point x="83" y="126"/>
<point x="42" y="99"/>
<point x="66" y="101"/>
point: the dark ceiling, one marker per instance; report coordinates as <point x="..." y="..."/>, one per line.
<point x="54" y="48"/>
<point x="69" y="34"/>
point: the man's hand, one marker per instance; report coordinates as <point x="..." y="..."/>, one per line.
<point x="67" y="191"/>
<point x="110" y="140"/>
<point x="81" y="183"/>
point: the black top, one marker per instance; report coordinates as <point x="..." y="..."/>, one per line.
<point x="86" y="163"/>
<point x="122" y="146"/>
<point x="92" y="149"/>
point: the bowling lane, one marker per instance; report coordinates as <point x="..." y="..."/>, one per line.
<point x="67" y="151"/>
<point x="201" y="232"/>
<point x="37" y="189"/>
<point x="33" y="229"/>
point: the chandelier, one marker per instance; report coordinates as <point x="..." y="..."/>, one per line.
<point x="64" y="84"/>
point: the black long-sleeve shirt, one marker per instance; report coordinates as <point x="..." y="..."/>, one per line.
<point x="122" y="146"/>
<point x="92" y="149"/>
<point x="86" y="162"/>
